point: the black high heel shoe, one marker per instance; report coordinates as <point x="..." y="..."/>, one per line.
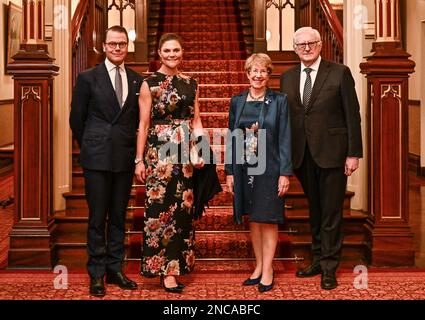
<point x="176" y="289"/>
<point x="252" y="282"/>
<point x="264" y="288"/>
<point x="148" y="275"/>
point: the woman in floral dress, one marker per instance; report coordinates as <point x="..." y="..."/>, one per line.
<point x="169" y="116"/>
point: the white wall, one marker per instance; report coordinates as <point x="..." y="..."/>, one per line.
<point x="74" y="4"/>
<point x="359" y="15"/>
<point x="415" y="42"/>
<point x="6" y="91"/>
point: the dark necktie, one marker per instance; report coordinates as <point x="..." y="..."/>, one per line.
<point x="118" y="85"/>
<point x="307" y="89"/>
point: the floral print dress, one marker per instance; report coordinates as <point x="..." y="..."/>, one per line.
<point x="168" y="234"/>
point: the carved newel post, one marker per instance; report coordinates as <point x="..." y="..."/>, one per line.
<point x="31" y="244"/>
<point x="390" y="240"/>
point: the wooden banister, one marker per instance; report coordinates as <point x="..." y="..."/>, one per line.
<point x="320" y="15"/>
<point x="88" y="26"/>
<point x="77" y="20"/>
<point x="333" y="21"/>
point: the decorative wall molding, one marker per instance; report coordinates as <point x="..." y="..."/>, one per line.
<point x="415" y="103"/>
<point x="7" y="101"/>
<point x="415" y="164"/>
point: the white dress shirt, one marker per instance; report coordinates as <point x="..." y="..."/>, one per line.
<point x="111" y="70"/>
<point x="313" y="74"/>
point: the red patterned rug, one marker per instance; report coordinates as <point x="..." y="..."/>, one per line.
<point x="213" y="280"/>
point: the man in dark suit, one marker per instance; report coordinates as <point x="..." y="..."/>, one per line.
<point x="326" y="146"/>
<point x="104" y="118"/>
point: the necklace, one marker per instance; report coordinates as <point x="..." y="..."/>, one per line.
<point x="259" y="98"/>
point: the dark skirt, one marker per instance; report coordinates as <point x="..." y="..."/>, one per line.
<point x="260" y="203"/>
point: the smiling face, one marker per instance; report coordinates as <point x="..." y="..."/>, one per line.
<point x="114" y="47"/>
<point x="308" y="53"/>
<point x="258" y="76"/>
<point x="171" y="54"/>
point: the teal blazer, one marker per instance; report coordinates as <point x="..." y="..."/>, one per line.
<point x="274" y="118"/>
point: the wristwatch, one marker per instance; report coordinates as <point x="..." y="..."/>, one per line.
<point x="137" y="160"/>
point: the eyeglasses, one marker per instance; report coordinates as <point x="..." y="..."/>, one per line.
<point x="312" y="45"/>
<point x="113" y="45"/>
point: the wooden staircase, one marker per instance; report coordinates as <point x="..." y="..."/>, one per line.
<point x="216" y="58"/>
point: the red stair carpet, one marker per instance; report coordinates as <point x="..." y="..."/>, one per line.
<point x="6" y="217"/>
<point x="214" y="55"/>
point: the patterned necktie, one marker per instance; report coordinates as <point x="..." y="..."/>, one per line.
<point x="307" y="89"/>
<point x="118" y="85"/>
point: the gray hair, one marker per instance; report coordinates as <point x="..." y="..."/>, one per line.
<point x="307" y="29"/>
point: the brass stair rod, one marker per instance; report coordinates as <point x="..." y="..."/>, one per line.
<point x="134" y="207"/>
<point x="290" y="231"/>
<point x="295" y="259"/>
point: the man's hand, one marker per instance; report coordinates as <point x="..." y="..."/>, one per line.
<point x="351" y="165"/>
<point x="230" y="184"/>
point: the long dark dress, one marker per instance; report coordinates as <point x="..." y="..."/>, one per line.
<point x="168" y="235"/>
<point x="248" y="122"/>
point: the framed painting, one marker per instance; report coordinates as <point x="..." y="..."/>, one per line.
<point x="14" y="31"/>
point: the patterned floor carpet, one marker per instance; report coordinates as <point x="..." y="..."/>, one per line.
<point x="219" y="281"/>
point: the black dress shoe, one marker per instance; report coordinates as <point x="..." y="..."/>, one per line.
<point x="120" y="279"/>
<point x="97" y="287"/>
<point x="310" y="271"/>
<point x="252" y="282"/>
<point x="328" y="281"/>
<point x="176" y="289"/>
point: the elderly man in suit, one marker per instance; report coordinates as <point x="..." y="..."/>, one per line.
<point x="104" y="118"/>
<point x="326" y="146"/>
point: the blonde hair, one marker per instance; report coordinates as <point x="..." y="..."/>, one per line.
<point x="261" y="59"/>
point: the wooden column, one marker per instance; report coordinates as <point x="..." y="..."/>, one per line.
<point x="387" y="70"/>
<point x="141" y="42"/>
<point x="258" y="9"/>
<point x="31" y="244"/>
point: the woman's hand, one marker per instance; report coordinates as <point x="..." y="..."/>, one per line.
<point x="282" y="185"/>
<point x="200" y="164"/>
<point x="230" y="184"/>
<point x="140" y="172"/>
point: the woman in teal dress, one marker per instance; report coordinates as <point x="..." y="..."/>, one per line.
<point x="169" y="115"/>
<point x="259" y="176"/>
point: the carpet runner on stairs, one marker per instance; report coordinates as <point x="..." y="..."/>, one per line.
<point x="215" y="55"/>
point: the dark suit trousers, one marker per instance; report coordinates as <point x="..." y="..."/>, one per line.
<point x="325" y="190"/>
<point x="107" y="195"/>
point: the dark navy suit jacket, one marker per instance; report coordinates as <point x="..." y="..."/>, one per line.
<point x="274" y="118"/>
<point x="105" y="132"/>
